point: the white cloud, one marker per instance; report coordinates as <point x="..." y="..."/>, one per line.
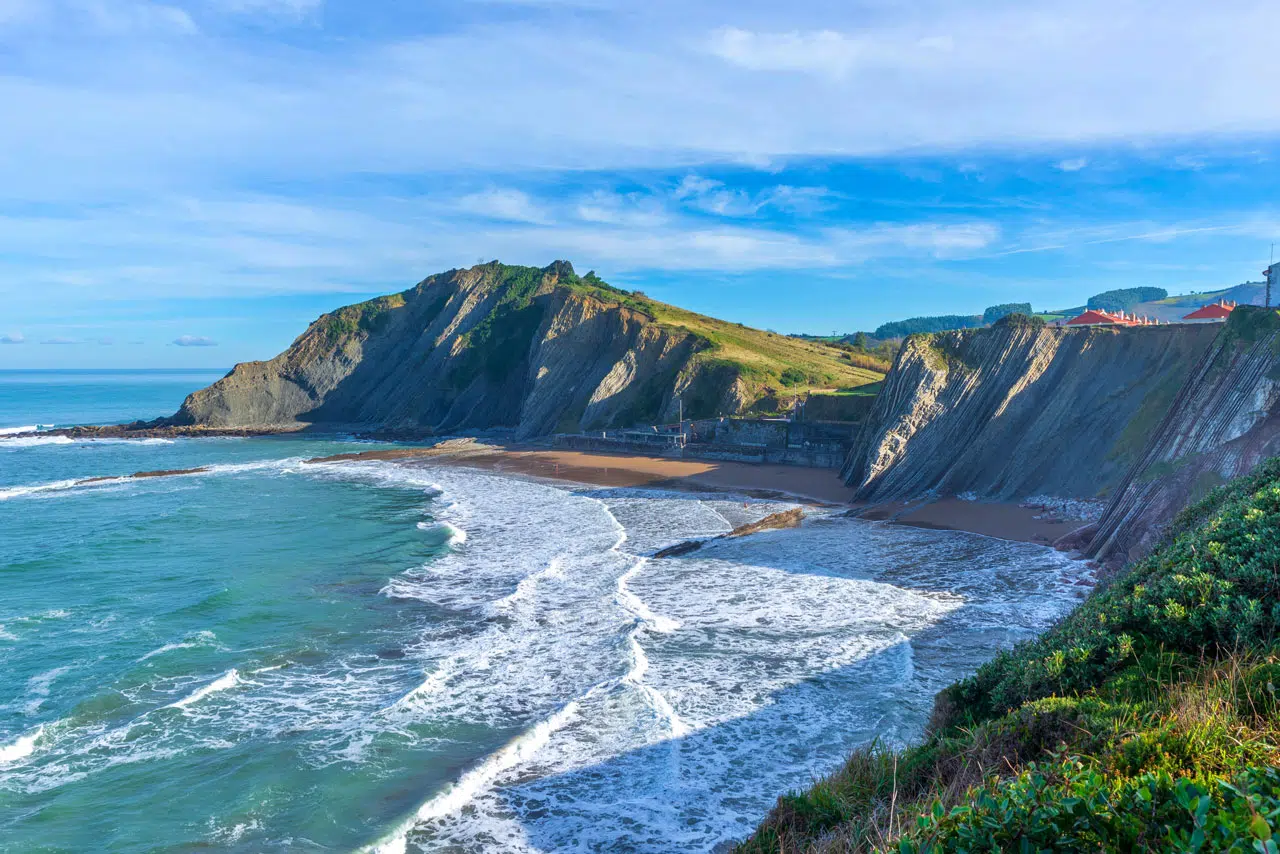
<point x="128" y="17"/>
<point x="509" y="205"/>
<point x="823" y="52"/>
<point x="714" y="197"/>
<point x="278" y="8"/>
<point x="60" y="341"/>
<point x="194" y="341"/>
<point x="12" y="338"/>
<point x="1074" y="164"/>
<point x="645" y="94"/>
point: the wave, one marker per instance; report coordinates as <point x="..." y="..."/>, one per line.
<point x="20" y="748"/>
<point x="633" y="604"/>
<point x="517" y="751"/>
<point x="34" y="441"/>
<point x="227" y="680"/>
<point x="283" y="466"/>
<point x="11" y="431"/>
<point x="526" y="586"/>
<point x="201" y="639"/>
<point x="450" y="535"/>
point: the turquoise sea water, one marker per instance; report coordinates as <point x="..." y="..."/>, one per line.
<point x="271" y="655"/>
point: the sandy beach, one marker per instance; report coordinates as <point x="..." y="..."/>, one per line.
<point x="808" y="485"/>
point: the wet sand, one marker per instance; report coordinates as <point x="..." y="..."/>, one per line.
<point x="1005" y="521"/>
<point x="809" y="485"/>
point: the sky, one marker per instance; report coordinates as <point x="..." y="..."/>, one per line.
<point x="189" y="183"/>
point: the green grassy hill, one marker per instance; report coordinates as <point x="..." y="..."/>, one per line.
<point x="1148" y="720"/>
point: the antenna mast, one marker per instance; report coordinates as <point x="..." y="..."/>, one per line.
<point x="1271" y="273"/>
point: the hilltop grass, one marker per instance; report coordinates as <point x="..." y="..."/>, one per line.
<point x="771" y="364"/>
<point x="1148" y="720"/>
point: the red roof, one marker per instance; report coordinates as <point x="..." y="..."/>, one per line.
<point x="1212" y="311"/>
<point x="1093" y="316"/>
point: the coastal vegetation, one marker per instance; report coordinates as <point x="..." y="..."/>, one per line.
<point x="1147" y="720"/>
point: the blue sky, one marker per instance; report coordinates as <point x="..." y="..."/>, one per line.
<point x="188" y="183"/>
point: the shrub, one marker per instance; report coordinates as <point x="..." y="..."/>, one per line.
<point x="1069" y="806"/>
<point x="1020" y="319"/>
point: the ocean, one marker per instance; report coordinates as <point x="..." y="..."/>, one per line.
<point x="276" y="656"/>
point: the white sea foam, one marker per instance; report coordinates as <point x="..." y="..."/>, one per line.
<point x="227" y="680"/>
<point x="33" y="441"/>
<point x="449" y="534"/>
<point x="10" y="431"/>
<point x="197" y="640"/>
<point x="20" y="748"/>
<point x="518" y="751"/>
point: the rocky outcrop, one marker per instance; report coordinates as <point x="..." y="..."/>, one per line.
<point x="493" y="346"/>
<point x="1224" y="421"/>
<point x="1021" y="409"/>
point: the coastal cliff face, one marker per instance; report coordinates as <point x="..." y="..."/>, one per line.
<point x="1224" y="422"/>
<point x="537" y="350"/>
<point x="1019" y="410"/>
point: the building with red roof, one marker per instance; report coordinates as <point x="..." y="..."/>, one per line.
<point x="1213" y="312"/>
<point x="1098" y="317"/>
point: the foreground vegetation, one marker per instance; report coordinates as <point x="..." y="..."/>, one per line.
<point x="1147" y="720"/>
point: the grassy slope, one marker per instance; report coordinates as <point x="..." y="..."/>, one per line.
<point x="769" y="362"/>
<point x="1147" y="720"/>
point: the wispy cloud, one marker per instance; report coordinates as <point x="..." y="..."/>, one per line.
<point x="194" y="341"/>
<point x="509" y="205"/>
<point x="296" y="9"/>
<point x="1073" y="164"/>
<point x="12" y="338"/>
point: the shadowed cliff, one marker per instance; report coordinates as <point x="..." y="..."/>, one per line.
<point x="1223" y="423"/>
<point x="1021" y="409"/>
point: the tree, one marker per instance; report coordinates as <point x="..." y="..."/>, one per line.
<point x="995" y="312"/>
<point x="1123" y="299"/>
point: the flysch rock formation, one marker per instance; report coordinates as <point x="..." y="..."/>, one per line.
<point x="1021" y="409"/>
<point x="1224" y="421"/>
<point x="493" y="346"/>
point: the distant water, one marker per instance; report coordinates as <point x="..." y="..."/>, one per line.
<point x="273" y="656"/>
<point x="67" y="397"/>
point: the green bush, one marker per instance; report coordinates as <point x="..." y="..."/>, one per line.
<point x="1212" y="590"/>
<point x="1018" y="318"/>
<point x="1069" y="806"/>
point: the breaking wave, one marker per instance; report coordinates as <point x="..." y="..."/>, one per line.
<point x="227" y="680"/>
<point x="20" y="748"/>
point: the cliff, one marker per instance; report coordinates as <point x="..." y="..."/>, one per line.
<point x="1021" y="409"/>
<point x="1224" y="422"/>
<point x="537" y="350"/>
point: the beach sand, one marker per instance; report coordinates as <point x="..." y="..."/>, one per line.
<point x="810" y="485"/>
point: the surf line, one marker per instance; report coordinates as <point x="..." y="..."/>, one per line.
<point x="516" y="752"/>
<point x="644" y="621"/>
<point x="524" y="746"/>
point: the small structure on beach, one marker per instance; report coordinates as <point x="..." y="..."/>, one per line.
<point x="1214" y="312"/>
